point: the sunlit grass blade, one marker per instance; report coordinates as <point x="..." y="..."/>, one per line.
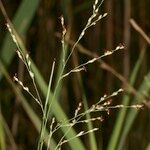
<point x="122" y="113"/>
<point x="148" y="147"/>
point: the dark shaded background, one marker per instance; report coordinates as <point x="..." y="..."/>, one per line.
<point x="43" y="42"/>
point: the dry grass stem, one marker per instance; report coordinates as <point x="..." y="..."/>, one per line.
<point x="139" y="30"/>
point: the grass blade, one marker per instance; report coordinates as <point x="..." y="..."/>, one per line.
<point x="91" y="135"/>
<point x="8" y="133"/>
<point x="21" y="21"/>
<point x="93" y="144"/>
<point x="56" y="109"/>
<point x="2" y="135"/>
<point x="133" y="113"/>
<point x="121" y="116"/>
<point x="33" y="117"/>
<point x="148" y="147"/>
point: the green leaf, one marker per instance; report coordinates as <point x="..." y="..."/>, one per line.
<point x="122" y="113"/>
<point x="56" y="109"/>
<point x="148" y="147"/>
<point x="2" y="135"/>
<point x="21" y="21"/>
<point x="145" y="87"/>
<point x="31" y="114"/>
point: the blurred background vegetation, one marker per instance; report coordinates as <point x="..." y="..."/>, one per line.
<point x="38" y="24"/>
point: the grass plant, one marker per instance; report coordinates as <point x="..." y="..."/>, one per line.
<point x="53" y="117"/>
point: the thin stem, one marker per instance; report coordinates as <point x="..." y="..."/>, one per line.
<point x="43" y="126"/>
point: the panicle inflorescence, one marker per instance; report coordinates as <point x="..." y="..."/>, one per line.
<point x="104" y="103"/>
<point x="81" y="67"/>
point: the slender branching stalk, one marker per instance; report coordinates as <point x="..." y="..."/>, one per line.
<point x="103" y="104"/>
